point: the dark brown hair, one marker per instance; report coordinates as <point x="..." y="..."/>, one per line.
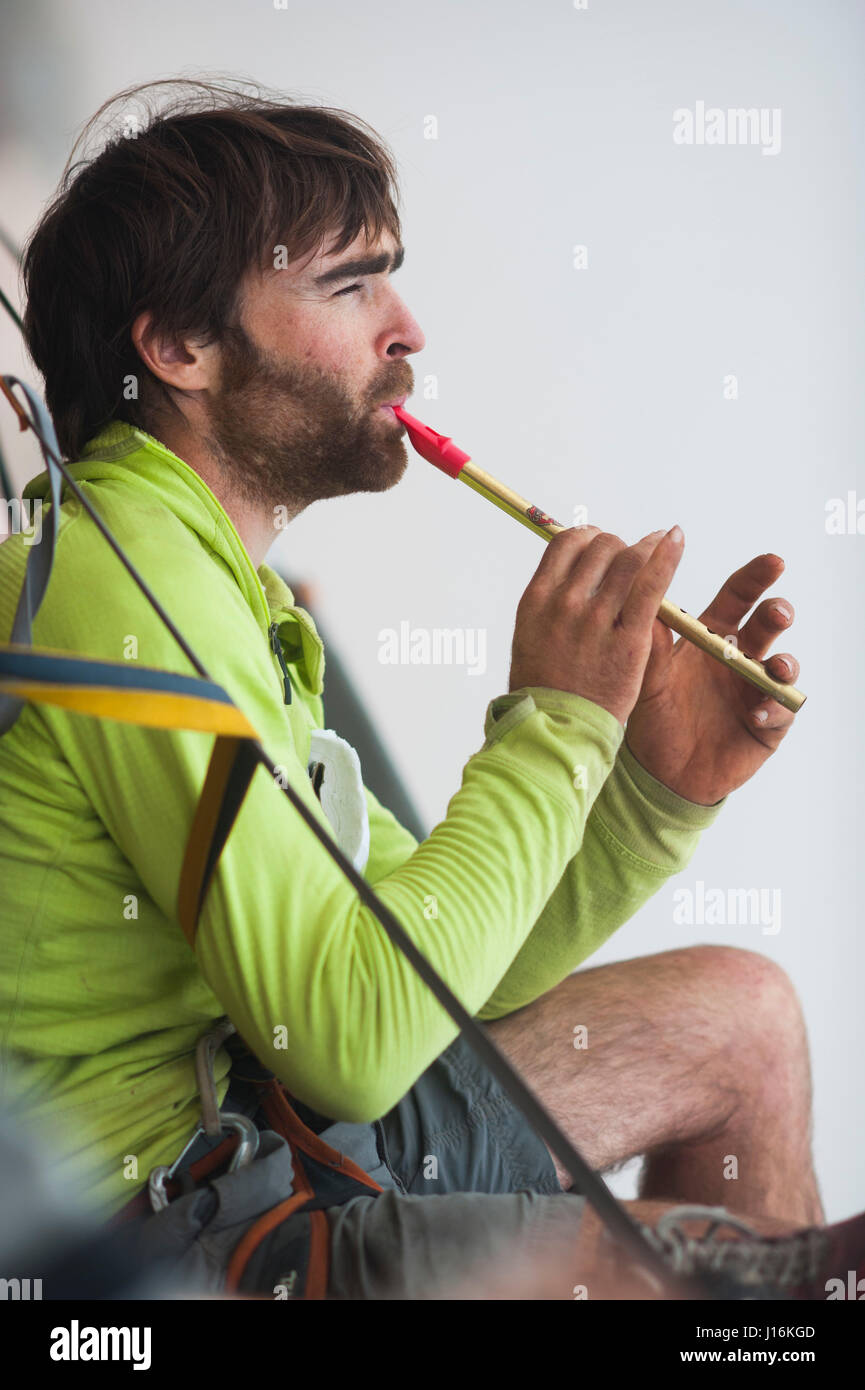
<point x="170" y="214"/>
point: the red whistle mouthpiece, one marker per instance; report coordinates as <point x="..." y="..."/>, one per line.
<point x="435" y="448"/>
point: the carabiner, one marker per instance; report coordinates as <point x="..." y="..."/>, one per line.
<point x="248" y="1146"/>
<point x="212" y="1122"/>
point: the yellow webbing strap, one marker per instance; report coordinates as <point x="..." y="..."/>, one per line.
<point x="160" y="700"/>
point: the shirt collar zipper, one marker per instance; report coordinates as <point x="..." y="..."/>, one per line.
<point x="276" y="645"/>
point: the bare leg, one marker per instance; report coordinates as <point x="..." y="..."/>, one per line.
<point x="696" y="1058"/>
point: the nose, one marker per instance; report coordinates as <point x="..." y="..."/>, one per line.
<point x="403" y="335"/>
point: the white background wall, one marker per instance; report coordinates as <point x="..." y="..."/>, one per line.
<point x="601" y="386"/>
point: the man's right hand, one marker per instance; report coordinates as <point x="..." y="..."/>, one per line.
<point x="585" y="623"/>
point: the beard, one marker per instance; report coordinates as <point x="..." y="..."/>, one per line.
<point x="288" y="433"/>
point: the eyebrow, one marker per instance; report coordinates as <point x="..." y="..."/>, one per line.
<point x="371" y="265"/>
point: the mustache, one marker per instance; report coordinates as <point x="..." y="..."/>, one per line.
<point x="404" y="386"/>
<point x="245" y="364"/>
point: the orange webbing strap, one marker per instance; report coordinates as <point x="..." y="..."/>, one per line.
<point x="318" y="1271"/>
<point x="267" y="1223"/>
<point x="285" y="1120"/>
<point x="232" y="763"/>
<point x="302" y="1141"/>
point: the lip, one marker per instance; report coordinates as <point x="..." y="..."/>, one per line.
<point x="388" y="405"/>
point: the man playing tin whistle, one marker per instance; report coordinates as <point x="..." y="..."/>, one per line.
<point x="258" y="316"/>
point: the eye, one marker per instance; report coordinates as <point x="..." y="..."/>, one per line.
<point x="349" y="289"/>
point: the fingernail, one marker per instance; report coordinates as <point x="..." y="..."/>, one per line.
<point x="761" y="716"/>
<point x="675" y="534"/>
<point x="782" y="661"/>
<point x="783" y="610"/>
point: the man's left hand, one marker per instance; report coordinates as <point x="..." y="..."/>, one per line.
<point x="697" y="727"/>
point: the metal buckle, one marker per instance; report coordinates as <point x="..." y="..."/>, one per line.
<point x="212" y="1122"/>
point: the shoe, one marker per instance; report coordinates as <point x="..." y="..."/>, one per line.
<point x="816" y="1264"/>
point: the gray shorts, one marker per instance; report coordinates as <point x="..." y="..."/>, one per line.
<point x="469" y="1191"/>
<point x="457" y="1130"/>
<point x="455" y="1246"/>
<point x="476" y="1192"/>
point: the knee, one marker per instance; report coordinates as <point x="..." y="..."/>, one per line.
<point x="755" y="992"/>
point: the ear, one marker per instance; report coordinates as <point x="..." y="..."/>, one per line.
<point x="184" y="364"/>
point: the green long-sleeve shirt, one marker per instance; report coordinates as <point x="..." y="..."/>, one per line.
<point x="555" y="837"/>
